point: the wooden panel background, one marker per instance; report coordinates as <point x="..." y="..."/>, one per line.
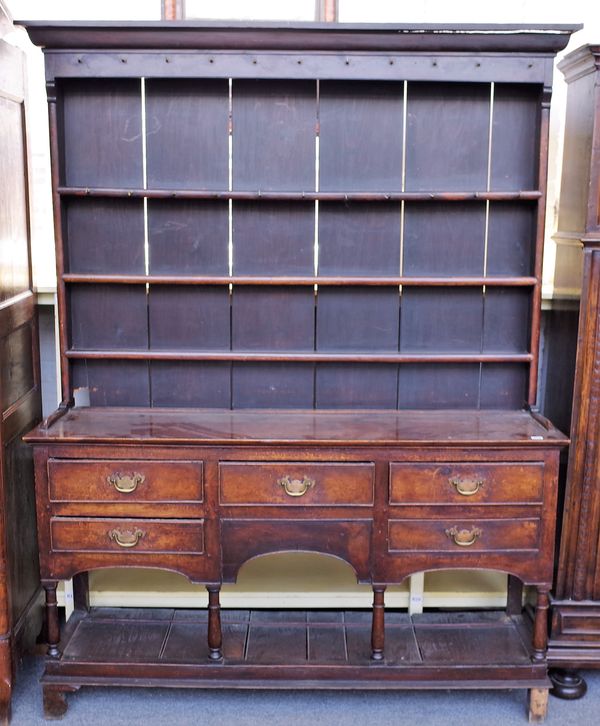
<point x="260" y="136"/>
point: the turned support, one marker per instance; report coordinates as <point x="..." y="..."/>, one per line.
<point x="540" y="626"/>
<point x="52" y="621"/>
<point x="215" y="637"/>
<point x="378" y="625"/>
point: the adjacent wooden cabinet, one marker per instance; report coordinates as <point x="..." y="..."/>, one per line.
<point x="20" y="402"/>
<point x="299" y="283"/>
<point x="575" y="633"/>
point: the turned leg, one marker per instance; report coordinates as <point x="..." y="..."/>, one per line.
<point x="378" y="624"/>
<point x="52" y="622"/>
<point x="215" y="638"/>
<point x="567" y="684"/>
<point x="540" y="626"/>
<point x="538" y="704"/>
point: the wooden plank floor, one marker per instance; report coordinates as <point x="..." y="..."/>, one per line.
<point x="293" y="637"/>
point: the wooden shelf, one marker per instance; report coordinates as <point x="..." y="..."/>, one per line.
<point x="283" y="649"/>
<point x="302" y="357"/>
<point x="308" y="196"/>
<point x="371" y="281"/>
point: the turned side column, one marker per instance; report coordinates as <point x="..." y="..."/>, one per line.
<point x="378" y="624"/>
<point x="215" y="637"/>
<point x="52" y="621"/>
<point x="540" y="625"/>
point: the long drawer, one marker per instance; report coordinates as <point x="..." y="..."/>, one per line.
<point x="466" y="483"/>
<point x="296" y="483"/>
<point x="462" y="536"/>
<point x="125" y="481"/>
<point x="125" y="536"/>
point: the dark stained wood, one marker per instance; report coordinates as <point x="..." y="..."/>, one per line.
<point x="272" y="385"/>
<point x="300" y="36"/>
<point x="20" y="404"/>
<point x="187" y="238"/>
<point x="441" y="320"/>
<point x="359" y="239"/>
<point x="356" y="386"/>
<point x="104" y="234"/>
<point x="340" y="263"/>
<point x="243" y="539"/>
<point x="506" y="320"/>
<point x="189" y="317"/>
<point x="438" y="635"/>
<point x="187" y="133"/>
<point x="274" y="127"/>
<point x="360" y="136"/>
<point x="574" y="637"/>
<point x="515" y="137"/>
<point x="297" y="280"/>
<point x="273" y="238"/>
<point x="288" y="196"/>
<point x="444" y="239"/>
<point x="510" y="248"/>
<point x="102" y="127"/>
<point x="103" y="316"/>
<point x="446" y="137"/>
<point x="357" y="319"/>
<point x="190" y="384"/>
<point x="110" y="383"/>
<point x="272" y="318"/>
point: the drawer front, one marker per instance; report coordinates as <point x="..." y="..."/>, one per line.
<point x="463" y="536"/>
<point x="296" y="483"/>
<point x="124" y="481"/>
<point x="127" y="536"/>
<point x="466" y="483"/>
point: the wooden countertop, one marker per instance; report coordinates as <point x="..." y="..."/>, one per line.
<point x="376" y="428"/>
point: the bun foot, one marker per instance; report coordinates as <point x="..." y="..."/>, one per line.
<point x="567" y="684"/>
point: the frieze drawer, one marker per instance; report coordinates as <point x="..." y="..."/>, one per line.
<point x="125" y="481"/>
<point x="467" y="483"/>
<point x="296" y="483"/>
<point x="125" y="536"/>
<point x="463" y="535"/>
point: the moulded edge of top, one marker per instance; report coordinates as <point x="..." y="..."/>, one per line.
<point x="191" y="35"/>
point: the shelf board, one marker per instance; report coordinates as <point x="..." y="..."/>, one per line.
<point x="99" y="278"/>
<point x="298" y="356"/>
<point x="308" y="196"/>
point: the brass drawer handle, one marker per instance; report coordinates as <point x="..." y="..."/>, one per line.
<point x="466" y="487"/>
<point x="296" y="487"/>
<point x="125" y="483"/>
<point x="464" y="537"/>
<point x="126" y="539"/>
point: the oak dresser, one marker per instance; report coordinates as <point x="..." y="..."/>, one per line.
<point x="299" y="284"/>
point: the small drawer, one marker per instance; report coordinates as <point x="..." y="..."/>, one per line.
<point x="76" y="480"/>
<point x="467" y="483"/>
<point x="127" y="536"/>
<point x="296" y="483"/>
<point x="463" y="536"/>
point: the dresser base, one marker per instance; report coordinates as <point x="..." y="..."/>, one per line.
<point x="291" y="649"/>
